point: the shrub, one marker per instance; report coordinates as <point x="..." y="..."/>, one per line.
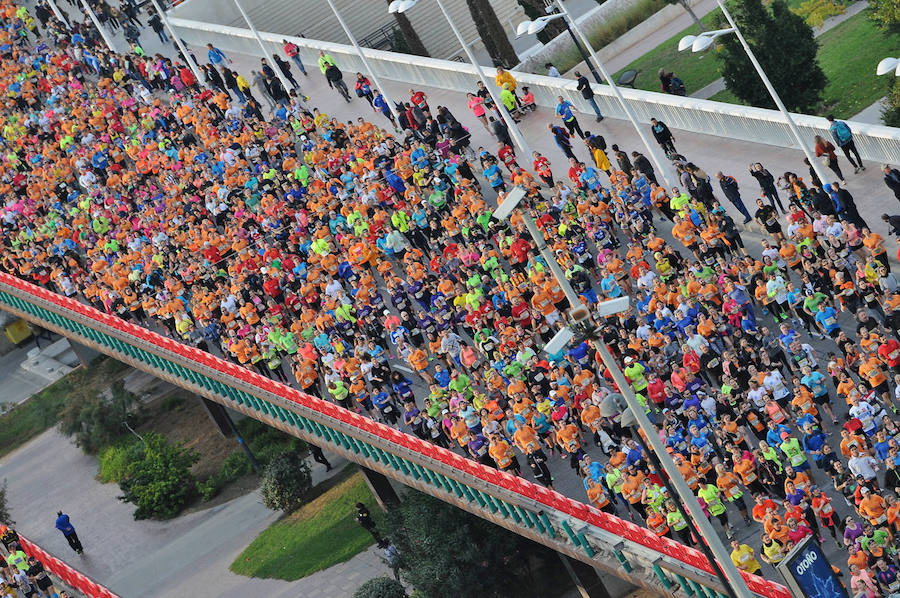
<point x="381" y="587"/>
<point x="5" y="517"/>
<point x="267" y="442"/>
<point x="159" y="481"/>
<point x="113" y="461"/>
<point x="96" y="420"/>
<point x="285" y="480"/>
<point x="891" y="113"/>
<point x="234" y="466"/>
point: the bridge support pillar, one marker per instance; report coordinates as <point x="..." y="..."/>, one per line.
<point x="84" y="353"/>
<point x="381" y="488"/>
<point x="590" y="582"/>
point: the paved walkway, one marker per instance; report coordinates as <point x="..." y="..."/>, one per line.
<point x="187" y="556"/>
<point x="704" y="93"/>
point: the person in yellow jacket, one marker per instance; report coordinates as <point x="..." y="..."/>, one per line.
<point x="504" y="77"/>
<point x="744" y="557"/>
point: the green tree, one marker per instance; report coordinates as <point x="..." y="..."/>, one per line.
<point x="885" y="13"/>
<point x="445" y="552"/>
<point x="685" y="4"/>
<point x="158" y="481"/>
<point x="5" y="518"/>
<point x="96" y="420"/>
<point x="814" y="12"/>
<point x="285" y="480"/>
<point x="381" y="587"/>
<point x="891" y="113"/>
<point x="492" y="33"/>
<point x="785" y="47"/>
<point x="411" y="41"/>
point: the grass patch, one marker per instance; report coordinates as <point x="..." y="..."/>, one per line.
<point x="322" y="533"/>
<point x="41" y="412"/>
<point x="848" y="55"/>
<point x="607" y="32"/>
<point x="696" y="70"/>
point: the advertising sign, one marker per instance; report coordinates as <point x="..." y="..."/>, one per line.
<point x="808" y="573"/>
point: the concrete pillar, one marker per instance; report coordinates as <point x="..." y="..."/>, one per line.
<point x="381" y="488"/>
<point x="84" y="353"/>
<point x="591" y="583"/>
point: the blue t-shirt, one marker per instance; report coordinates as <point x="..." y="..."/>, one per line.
<point x="564" y="109"/>
<point x="827" y="318"/>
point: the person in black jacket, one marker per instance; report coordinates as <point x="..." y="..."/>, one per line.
<point x="643" y="165"/>
<point x="892" y="179"/>
<point x="729" y="187"/>
<point x="893" y="222"/>
<point x="848" y="205"/>
<point x="584" y="86"/>
<point x="766" y="184"/>
<point x="663" y="136"/>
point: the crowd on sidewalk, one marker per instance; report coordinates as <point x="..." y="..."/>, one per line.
<point x="364" y="265"/>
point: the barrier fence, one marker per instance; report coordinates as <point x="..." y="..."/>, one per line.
<point x="877" y="143"/>
<point x="606" y="542"/>
<point x="62" y="571"/>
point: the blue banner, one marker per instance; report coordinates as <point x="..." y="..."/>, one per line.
<point x="808" y="572"/>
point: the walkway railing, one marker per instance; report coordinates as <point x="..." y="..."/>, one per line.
<point x="606" y="542"/>
<point x="757" y="125"/>
<point x="61" y="570"/>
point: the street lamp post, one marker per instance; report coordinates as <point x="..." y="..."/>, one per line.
<point x="652" y="149"/>
<point x="103" y="33"/>
<point x="58" y="13"/>
<point x="706" y="39"/>
<point x="201" y="80"/>
<point x="365" y="61"/>
<point x="887" y="65"/>
<point x="265" y="49"/>
<point x="536" y="26"/>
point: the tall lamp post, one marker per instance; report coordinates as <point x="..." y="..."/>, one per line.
<point x="103" y="33"/>
<point x="264" y="48"/>
<point x="698" y="43"/>
<point x="733" y="581"/>
<point x="887" y="65"/>
<point x="536" y="26"/>
<point x="661" y="164"/>
<point x="365" y="61"/>
<point x="201" y="80"/>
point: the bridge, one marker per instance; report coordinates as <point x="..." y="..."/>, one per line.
<point x="605" y="542"/>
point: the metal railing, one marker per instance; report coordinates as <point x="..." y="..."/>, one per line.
<point x="606" y="542"/>
<point x="744" y="123"/>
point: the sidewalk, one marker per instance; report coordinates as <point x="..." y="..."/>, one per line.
<point x="715" y="87"/>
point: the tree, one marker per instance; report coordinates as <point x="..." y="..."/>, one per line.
<point x="492" y="33"/>
<point x="891" y="113"/>
<point x="158" y="480"/>
<point x="5" y="518"/>
<point x="885" y="14"/>
<point x="285" y="481"/>
<point x="381" y="587"/>
<point x="686" y="6"/>
<point x="445" y="552"/>
<point x="97" y="419"/>
<point x="793" y="68"/>
<point x="814" y="12"/>
<point x="411" y="40"/>
<point x="534" y="9"/>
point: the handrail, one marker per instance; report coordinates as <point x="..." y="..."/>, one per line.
<point x="62" y="570"/>
<point x="877" y="143"/>
<point x="609" y="528"/>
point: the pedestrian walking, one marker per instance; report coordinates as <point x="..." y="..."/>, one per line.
<point x="663" y="137"/>
<point x="318" y="456"/>
<point x="364" y="518"/>
<point x="892" y="179"/>
<point x="564" y="112"/>
<point x="731" y="190"/>
<point x="68" y="530"/>
<point x="285" y="68"/>
<point x="562" y="139"/>
<point x="825" y="152"/>
<point x="500" y="130"/>
<point x="584" y="86"/>
<point x="293" y="52"/>
<point x="766" y="184"/>
<point x="158" y="28"/>
<point x="843" y="137"/>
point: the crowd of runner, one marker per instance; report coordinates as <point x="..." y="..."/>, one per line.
<point x="365" y="266"/>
